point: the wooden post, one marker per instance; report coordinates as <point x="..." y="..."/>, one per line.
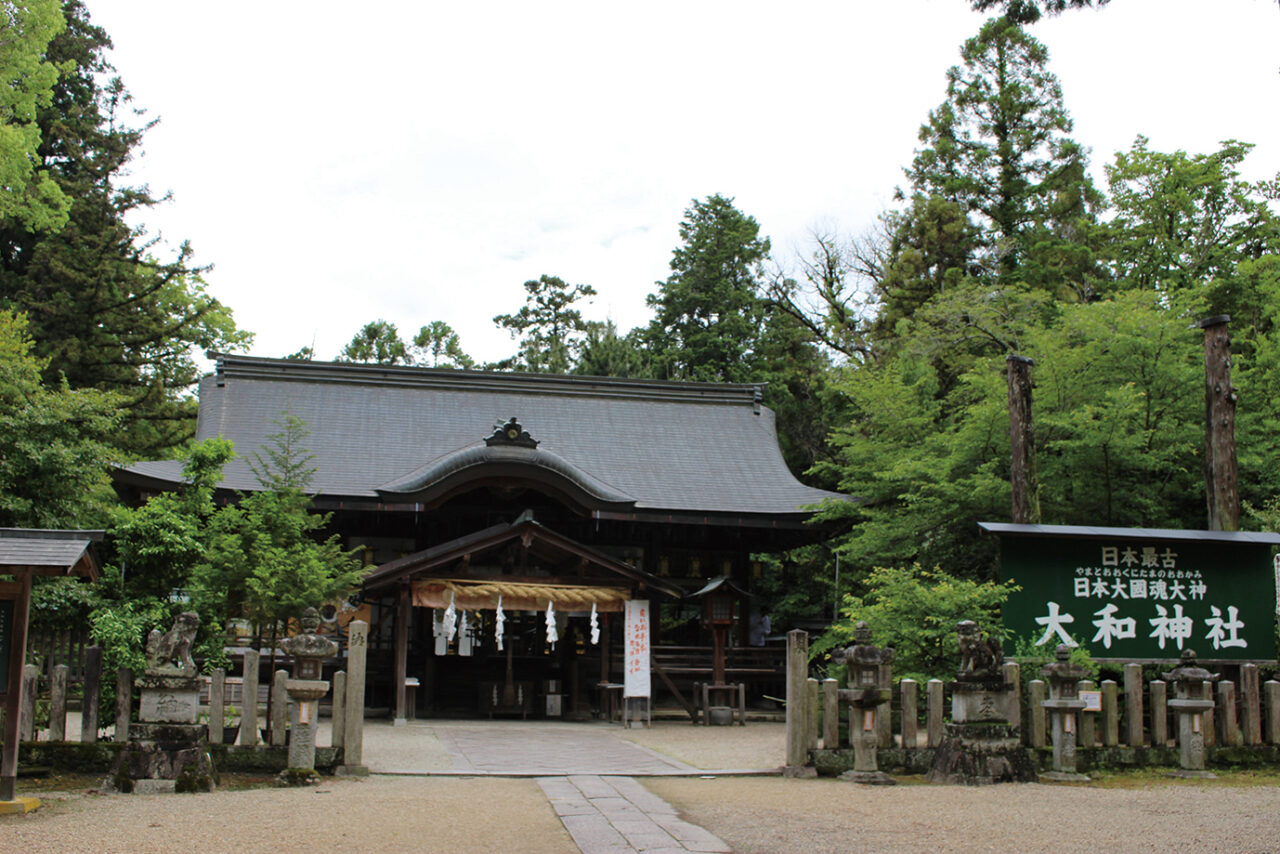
<point x="1133" y="708"/>
<point x="249" y="700"/>
<point x="1013" y="676"/>
<point x="217" y="704"/>
<point x="1159" y="713"/>
<point x="1208" y="719"/>
<point x="1022" y="470"/>
<point x="338" y="711"/>
<point x="1271" y="691"/>
<point x="1250" y="704"/>
<point x="1228" y="728"/>
<point x="797" y="674"/>
<point x="1222" y="495"/>
<point x="92" y="692"/>
<point x="20" y="592"/>
<point x="124" y="704"/>
<point x="279" y="709"/>
<point x="30" y="690"/>
<point x="1035" y="711"/>
<point x="830" y="715"/>
<point x="58" y="703"/>
<point x="934" y="701"/>
<point x="402" y="655"/>
<point x="1088" y="720"/>
<point x="910" y="690"/>
<point x="811" y="713"/>
<point x="1110" y="713"/>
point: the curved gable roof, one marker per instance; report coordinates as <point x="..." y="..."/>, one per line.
<point x="381" y="431"/>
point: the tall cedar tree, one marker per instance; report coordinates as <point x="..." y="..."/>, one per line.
<point x="105" y="311"/>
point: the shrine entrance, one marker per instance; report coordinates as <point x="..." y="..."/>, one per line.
<point x="513" y="620"/>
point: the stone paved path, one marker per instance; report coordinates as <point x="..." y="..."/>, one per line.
<point x="585" y="770"/>
<point x="616" y="815"/>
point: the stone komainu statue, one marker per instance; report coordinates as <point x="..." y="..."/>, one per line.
<point x="169" y="654"/>
<point x="979" y="656"/>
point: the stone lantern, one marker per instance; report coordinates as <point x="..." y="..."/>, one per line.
<point x="1188" y="679"/>
<point x="1063" y="705"/>
<point x="305" y="689"/>
<point x="865" y="695"/>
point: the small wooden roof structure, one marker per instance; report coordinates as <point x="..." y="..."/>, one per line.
<point x="473" y="571"/>
<point x="49" y="552"/>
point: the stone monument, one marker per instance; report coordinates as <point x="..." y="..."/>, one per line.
<point x="865" y="695"/>
<point x="980" y="745"/>
<point x="1188" y="679"/>
<point x="305" y="689"/>
<point x="1063" y="705"/>
<point x="166" y="752"/>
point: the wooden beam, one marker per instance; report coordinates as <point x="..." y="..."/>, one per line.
<point x="13" y="692"/>
<point x="402" y="651"/>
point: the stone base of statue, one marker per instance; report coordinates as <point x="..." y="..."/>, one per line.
<point x="981" y="747"/>
<point x="1063" y="777"/>
<point x="166" y="750"/>
<point x="869" y="778"/>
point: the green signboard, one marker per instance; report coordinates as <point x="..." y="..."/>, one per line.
<point x="6" y="636"/>
<point x="1140" y="594"/>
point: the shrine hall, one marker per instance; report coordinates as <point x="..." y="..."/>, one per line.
<point x="508" y="518"/>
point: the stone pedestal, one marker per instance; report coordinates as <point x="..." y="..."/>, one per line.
<point x="166" y="751"/>
<point x="981" y="746"/>
<point x="305" y="709"/>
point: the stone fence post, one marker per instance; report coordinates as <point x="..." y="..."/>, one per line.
<point x="830" y="714"/>
<point x="1159" y="713"/>
<point x="1271" y="691"/>
<point x="797" y="696"/>
<point x="353" y="725"/>
<point x="27" y="710"/>
<point x="1250" y="704"/>
<point x="249" y="699"/>
<point x="217" y="704"/>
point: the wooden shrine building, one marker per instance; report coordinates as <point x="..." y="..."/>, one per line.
<point x="476" y="489"/>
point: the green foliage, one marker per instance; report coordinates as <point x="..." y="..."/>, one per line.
<point x="440" y="344"/>
<point x="105" y="311"/>
<point x="61" y="604"/>
<point x="605" y="353"/>
<point x="915" y="611"/>
<point x="378" y="342"/>
<point x="55" y="442"/>
<point x="1030" y="11"/>
<point x="549" y="331"/>
<point x="263" y="557"/>
<point x="28" y="196"/>
<point x="121" y="629"/>
<point x="708" y="313"/>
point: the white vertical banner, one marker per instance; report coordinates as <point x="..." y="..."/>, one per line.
<point x="635" y="639"/>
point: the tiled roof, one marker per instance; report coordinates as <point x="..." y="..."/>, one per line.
<point x="702" y="447"/>
<point x="48" y="552"/>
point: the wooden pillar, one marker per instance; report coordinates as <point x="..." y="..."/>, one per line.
<point x="910" y="691"/>
<point x="92" y="691"/>
<point x="1022" y="470"/>
<point x="402" y="653"/>
<point x="217" y="706"/>
<point x="1222" y="495"/>
<point x="124" y="705"/>
<point x="1159" y="713"/>
<point x="20" y="593"/>
<point x="1133" y="706"/>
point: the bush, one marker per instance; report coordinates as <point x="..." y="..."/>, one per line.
<point x="915" y="611"/>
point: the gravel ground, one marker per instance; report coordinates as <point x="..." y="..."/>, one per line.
<point x="753" y="814"/>
<point x="780" y="816"/>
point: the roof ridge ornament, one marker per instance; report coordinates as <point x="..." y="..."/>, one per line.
<point x="511" y="433"/>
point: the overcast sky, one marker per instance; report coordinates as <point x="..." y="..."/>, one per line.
<point x="418" y="161"/>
